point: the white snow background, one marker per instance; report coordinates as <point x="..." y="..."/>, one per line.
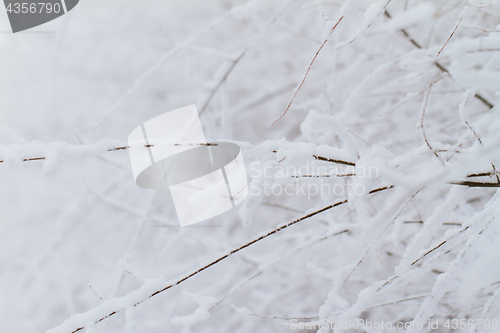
<point x="412" y="95"/>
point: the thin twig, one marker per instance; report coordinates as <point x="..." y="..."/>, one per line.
<point x="235" y="62"/>
<point x="319" y="158"/>
<point x="331" y="160"/>
<point x="424" y="107"/>
<point x="482" y="174"/>
<point x="227" y="255"/>
<point x="428" y="252"/>
<point x="324" y="176"/>
<point x="477" y="184"/>
<point x="307" y="71"/>
<point x="453" y="32"/>
<point x="477" y="136"/>
<point x="209" y="144"/>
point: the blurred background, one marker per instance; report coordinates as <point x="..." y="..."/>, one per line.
<point x="75" y="230"/>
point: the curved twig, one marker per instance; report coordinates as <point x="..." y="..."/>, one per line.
<point x="307" y="71"/>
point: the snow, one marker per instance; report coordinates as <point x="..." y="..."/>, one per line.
<point x="201" y="313"/>
<point x="408" y="239"/>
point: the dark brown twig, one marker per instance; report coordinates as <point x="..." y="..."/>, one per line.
<point x="219" y="259"/>
<point x="477" y="184"/>
<point x="433" y="249"/>
<point x="482" y="174"/>
<point x="324" y="176"/>
<point x="319" y="158"/>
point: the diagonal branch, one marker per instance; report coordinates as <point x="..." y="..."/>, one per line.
<point x="221" y="258"/>
<point x="453" y="32"/>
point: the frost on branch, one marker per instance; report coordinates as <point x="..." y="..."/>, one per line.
<point x="373" y="198"/>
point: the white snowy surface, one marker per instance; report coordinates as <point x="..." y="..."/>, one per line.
<point x="79" y="240"/>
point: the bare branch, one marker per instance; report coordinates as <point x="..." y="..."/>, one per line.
<point x="453" y="32"/>
<point x="307" y="71"/>
<point x="227" y="255"/>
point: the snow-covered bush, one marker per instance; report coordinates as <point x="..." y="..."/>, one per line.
<point x="370" y="132"/>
